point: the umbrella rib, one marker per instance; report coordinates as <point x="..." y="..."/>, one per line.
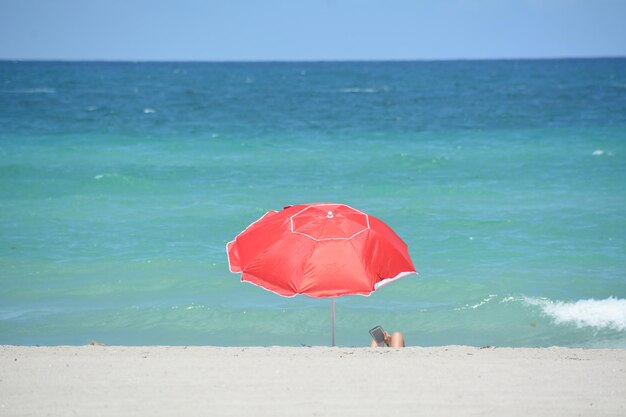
<point x="355" y="250"/>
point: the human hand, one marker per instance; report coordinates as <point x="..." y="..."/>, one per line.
<point x="387" y="338"/>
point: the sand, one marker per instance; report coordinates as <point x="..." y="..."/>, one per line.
<point x="317" y="381"/>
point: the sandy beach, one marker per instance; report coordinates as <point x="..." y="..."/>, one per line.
<point x="311" y="381"/>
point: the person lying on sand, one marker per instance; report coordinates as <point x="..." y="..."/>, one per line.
<point x="396" y="340"/>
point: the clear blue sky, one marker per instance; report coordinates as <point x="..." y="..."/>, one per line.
<point x="219" y="30"/>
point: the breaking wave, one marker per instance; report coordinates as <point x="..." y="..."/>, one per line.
<point x="609" y="313"/>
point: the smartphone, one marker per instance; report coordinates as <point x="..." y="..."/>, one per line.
<point x="378" y="335"/>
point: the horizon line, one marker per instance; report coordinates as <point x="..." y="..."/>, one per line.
<point x="321" y="60"/>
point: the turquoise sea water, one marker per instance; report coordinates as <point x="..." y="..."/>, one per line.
<point x="121" y="183"/>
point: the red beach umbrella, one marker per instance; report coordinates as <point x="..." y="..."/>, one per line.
<point x="322" y="250"/>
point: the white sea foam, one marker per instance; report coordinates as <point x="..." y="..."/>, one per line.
<point x="43" y="90"/>
<point x="148" y="110"/>
<point x="601" y="152"/>
<point x="100" y="176"/>
<point x="609" y="313"/>
<point x="358" y="90"/>
<point x="39" y="90"/>
<point x="479" y="304"/>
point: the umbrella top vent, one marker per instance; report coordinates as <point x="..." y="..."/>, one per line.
<point x="328" y="221"/>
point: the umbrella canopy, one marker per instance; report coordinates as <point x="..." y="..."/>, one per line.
<point x="320" y="250"/>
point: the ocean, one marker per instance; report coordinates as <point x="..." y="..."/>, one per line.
<point x="122" y="182"/>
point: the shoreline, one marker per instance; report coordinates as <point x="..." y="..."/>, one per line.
<point x="269" y="381"/>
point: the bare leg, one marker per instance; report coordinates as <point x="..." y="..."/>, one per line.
<point x="397" y="340"/>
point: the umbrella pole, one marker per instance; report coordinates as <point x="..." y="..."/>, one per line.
<point x="332" y="320"/>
